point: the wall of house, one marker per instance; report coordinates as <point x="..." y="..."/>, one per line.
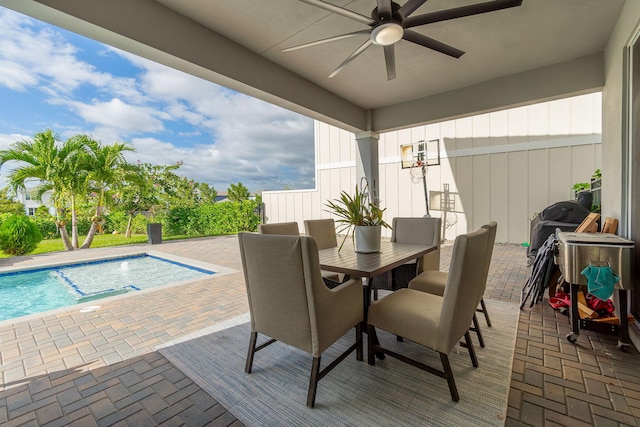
<point x="28" y="199"/>
<point x="620" y="187"/>
<point x="613" y="127"/>
<point x="503" y="166"/>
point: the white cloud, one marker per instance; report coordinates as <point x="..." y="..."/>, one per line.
<point x="15" y="76"/>
<point x="7" y="139"/>
<point x="43" y="56"/>
<point x="222" y="136"/>
<point x="118" y="115"/>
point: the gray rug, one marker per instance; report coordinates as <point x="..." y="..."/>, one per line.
<point x="391" y="393"/>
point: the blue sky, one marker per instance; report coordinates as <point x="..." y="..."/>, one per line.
<point x="52" y="78"/>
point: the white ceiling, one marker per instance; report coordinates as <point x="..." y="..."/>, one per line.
<point x="533" y="35"/>
<point x="539" y="50"/>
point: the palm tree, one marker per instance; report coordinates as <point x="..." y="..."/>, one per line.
<point x="54" y="165"/>
<point x="107" y="168"/>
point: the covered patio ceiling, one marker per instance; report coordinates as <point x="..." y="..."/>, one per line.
<point x="541" y="50"/>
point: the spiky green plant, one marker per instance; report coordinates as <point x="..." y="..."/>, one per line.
<point x="356" y="210"/>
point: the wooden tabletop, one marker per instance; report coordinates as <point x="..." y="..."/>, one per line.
<point x="391" y="255"/>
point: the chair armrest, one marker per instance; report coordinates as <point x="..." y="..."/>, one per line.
<point x="349" y="283"/>
<point x="344" y="301"/>
<point x="336" y="311"/>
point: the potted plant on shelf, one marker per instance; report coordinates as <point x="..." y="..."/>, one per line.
<point x="358" y="214"/>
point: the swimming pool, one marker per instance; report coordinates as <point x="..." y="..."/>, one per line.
<point x="43" y="289"/>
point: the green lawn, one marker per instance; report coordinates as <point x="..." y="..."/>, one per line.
<point x="99" y="241"/>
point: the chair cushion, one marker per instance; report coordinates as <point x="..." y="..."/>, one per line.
<point x="430" y="281"/>
<point x="408" y="313"/>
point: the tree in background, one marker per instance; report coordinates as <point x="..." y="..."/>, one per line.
<point x="106" y="168"/>
<point x="54" y="166"/>
<point x="206" y="192"/>
<point x="137" y="196"/>
<point x="9" y="205"/>
<point x="237" y="192"/>
<point x="157" y="189"/>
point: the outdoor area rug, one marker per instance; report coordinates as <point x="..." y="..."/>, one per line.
<point x="391" y="393"/>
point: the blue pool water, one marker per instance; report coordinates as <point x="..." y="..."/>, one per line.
<point x="35" y="291"/>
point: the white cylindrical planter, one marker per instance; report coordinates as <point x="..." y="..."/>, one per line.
<point x="367" y="238"/>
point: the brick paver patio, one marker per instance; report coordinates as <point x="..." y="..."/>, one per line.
<point x="101" y="368"/>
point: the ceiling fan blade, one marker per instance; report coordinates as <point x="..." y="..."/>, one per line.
<point x="430" y="43"/>
<point x="327" y="40"/>
<point x="384" y="9"/>
<point x="409" y="7"/>
<point x="390" y="60"/>
<point x="351" y="57"/>
<point x="459" y="12"/>
<point x="341" y="11"/>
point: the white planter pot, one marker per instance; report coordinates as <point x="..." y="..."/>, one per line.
<point x="367" y="238"/>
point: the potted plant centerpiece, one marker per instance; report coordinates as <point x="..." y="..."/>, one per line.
<point x="358" y="214"/>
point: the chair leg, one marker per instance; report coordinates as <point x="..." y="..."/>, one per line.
<point x="371" y="340"/>
<point x="359" y="348"/>
<point x="472" y="351"/>
<point x="252" y="351"/>
<point x="476" y="329"/>
<point x="313" y="382"/>
<point x="448" y="374"/>
<point x="485" y="312"/>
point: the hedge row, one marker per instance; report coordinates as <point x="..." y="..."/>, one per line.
<point x="218" y="218"/>
<point x="212" y="219"/>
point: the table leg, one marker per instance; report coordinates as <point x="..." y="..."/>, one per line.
<point x="366" y="294"/>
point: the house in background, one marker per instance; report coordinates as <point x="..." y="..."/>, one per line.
<point x="221" y="196"/>
<point x="503" y="166"/>
<point x="31" y="204"/>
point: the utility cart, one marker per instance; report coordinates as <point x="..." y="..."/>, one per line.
<point x="575" y="252"/>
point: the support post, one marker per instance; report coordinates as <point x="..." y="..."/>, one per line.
<point x="367" y="161"/>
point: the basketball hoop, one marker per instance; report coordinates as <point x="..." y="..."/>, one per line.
<point x="417" y="157"/>
<point x="418" y="171"/>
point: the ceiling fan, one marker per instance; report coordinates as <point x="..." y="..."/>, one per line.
<point x="391" y="23"/>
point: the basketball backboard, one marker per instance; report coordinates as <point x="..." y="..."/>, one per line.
<point x="426" y="152"/>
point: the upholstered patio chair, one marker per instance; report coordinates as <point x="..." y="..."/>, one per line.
<point x="418" y="231"/>
<point x="324" y="232"/>
<point x="289" y="302"/>
<point x="282" y="228"/>
<point x="413" y="230"/>
<point x="434" y="282"/>
<point x="434" y="321"/>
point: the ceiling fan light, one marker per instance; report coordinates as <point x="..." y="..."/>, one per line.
<point x="387" y="34"/>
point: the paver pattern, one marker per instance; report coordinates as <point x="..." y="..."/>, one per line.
<point x="101" y="368"/>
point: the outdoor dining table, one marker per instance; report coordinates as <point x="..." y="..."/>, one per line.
<point x="370" y="265"/>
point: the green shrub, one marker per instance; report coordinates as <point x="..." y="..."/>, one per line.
<point x="139" y="224"/>
<point x="84" y="224"/>
<point x="117" y="221"/>
<point x="19" y="235"/>
<point x="5" y="216"/>
<point x="47" y="226"/>
<point x="49" y="230"/>
<point x="212" y="219"/>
